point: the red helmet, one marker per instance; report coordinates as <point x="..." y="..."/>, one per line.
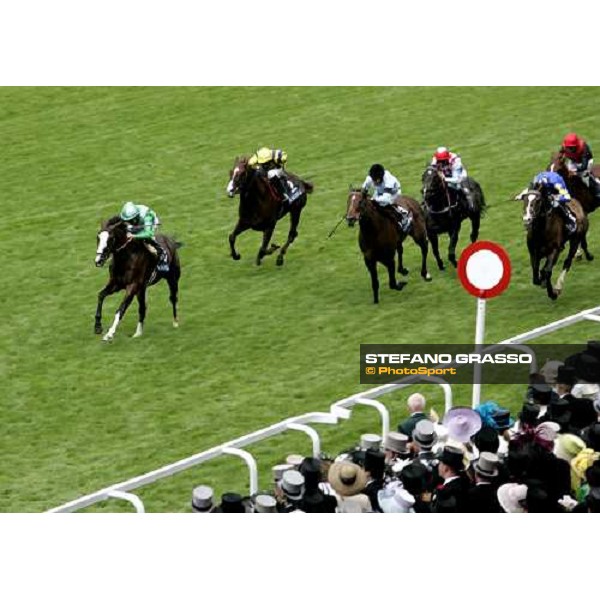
<point x="571" y="140"/>
<point x="442" y="155"/>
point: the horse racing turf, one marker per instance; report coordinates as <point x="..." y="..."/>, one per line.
<point x="256" y="344"/>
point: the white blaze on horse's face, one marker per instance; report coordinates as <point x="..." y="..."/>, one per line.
<point x="528" y="215"/>
<point x="102" y="242"/>
<point x="231" y="185"/>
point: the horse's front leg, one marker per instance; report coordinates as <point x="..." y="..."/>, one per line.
<point x="452" y="245"/>
<point x="390" y="265"/>
<point x="371" y="265"/>
<point x="109" y="289"/>
<point x="433" y="238"/>
<point x="141" y="297"/>
<point x="475" y="224"/>
<point x="130" y="292"/>
<point x="401" y="268"/>
<point x="264" y="248"/>
<point x="547" y="274"/>
<point x="292" y="235"/>
<point x="240" y="227"/>
<point x="573" y="247"/>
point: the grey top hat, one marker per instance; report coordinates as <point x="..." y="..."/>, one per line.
<point x="202" y="498"/>
<point x="295" y="460"/>
<point x="264" y="503"/>
<point x="370" y="441"/>
<point x="279" y="470"/>
<point x="487" y="465"/>
<point x="292" y="484"/>
<point x="424" y="434"/>
<point x="396" y="442"/>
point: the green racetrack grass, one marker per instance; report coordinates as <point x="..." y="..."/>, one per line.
<point x="256" y="344"/>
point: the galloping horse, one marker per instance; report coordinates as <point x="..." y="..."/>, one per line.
<point x="546" y="237"/>
<point x="444" y="212"/>
<point x="261" y="207"/>
<point x="133" y="269"/>
<point x="380" y="238"/>
<point x="577" y="188"/>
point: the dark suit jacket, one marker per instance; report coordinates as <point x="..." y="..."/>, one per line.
<point x="458" y="488"/>
<point x="483" y="499"/>
<point x="583" y="413"/>
<point x="407" y="427"/>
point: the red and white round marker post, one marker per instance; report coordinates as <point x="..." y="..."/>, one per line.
<point x="484" y="271"/>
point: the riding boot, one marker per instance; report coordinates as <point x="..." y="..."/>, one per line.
<point x="570" y="220"/>
<point x="162" y="258"/>
<point x="594" y="187"/>
<point x="405" y="218"/>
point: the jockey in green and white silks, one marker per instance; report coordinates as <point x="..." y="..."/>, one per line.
<point x="141" y="225"/>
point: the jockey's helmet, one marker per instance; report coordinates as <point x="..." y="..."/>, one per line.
<point x="442" y="154"/>
<point x="376" y="172"/>
<point x="129" y="211"/>
<point x="571" y="141"/>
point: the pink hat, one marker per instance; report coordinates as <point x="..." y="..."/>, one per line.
<point x="462" y="423"/>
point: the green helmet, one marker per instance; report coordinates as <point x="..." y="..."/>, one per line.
<point x="129" y="211"/>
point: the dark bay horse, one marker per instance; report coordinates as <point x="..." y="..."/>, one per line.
<point x="133" y="269"/>
<point x="444" y="212"/>
<point x="576" y="186"/>
<point x="380" y="238"/>
<point x="261" y="207"/>
<point x="546" y="237"/>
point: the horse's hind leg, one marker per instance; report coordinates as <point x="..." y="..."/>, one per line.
<point x="240" y="227"/>
<point x="423" y="243"/>
<point x="264" y="248"/>
<point x="372" y="268"/>
<point x="452" y="246"/>
<point x="401" y="268"/>
<point x="292" y="235"/>
<point x="173" y="282"/>
<point x="573" y="247"/>
<point x="433" y="238"/>
<point x="109" y="289"/>
<point x="547" y="274"/>
<point x="141" y="298"/>
<point x="129" y="295"/>
<point x="584" y="247"/>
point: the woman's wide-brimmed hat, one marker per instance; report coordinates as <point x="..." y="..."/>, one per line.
<point x="346" y="478"/>
<point x="462" y="423"/>
<point x="395" y="499"/>
<point x="512" y="496"/>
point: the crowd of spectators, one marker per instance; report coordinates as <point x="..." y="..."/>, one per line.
<point x="480" y="461"/>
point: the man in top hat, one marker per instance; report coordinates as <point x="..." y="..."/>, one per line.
<point x="541" y="394"/>
<point x="483" y="498"/>
<point x="265" y="503"/>
<point x="290" y="491"/>
<point x="416" y="408"/>
<point x="397" y="454"/>
<point x="375" y="470"/>
<point x="587" y="363"/>
<point x="414" y="478"/>
<point x="424" y="438"/>
<point x="315" y="500"/>
<point x="455" y="482"/>
<point x="559" y="412"/>
<point x="202" y="499"/>
<point x="581" y="409"/>
<point x="231" y="503"/>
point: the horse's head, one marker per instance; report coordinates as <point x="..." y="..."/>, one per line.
<point x="433" y="184"/>
<point x="355" y="205"/>
<point x="237" y="175"/>
<point x="533" y="202"/>
<point x="110" y="238"/>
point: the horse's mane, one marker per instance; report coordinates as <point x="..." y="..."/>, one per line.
<point x="109" y="223"/>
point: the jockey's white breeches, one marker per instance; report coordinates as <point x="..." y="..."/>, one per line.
<point x="385" y="199"/>
<point x="274" y="173"/>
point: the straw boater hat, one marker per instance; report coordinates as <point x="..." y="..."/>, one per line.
<point x="512" y="497"/>
<point x="487" y="465"/>
<point x="370" y="441"/>
<point x="424" y="434"/>
<point x="462" y="423"/>
<point x="396" y="442"/>
<point x="202" y="499"/>
<point x="347" y="479"/>
<point x="265" y="503"/>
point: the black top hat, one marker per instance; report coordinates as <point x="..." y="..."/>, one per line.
<point x="318" y="502"/>
<point x="566" y="375"/>
<point x="586" y="364"/>
<point x="486" y="439"/>
<point x="558" y="411"/>
<point x="414" y="478"/>
<point x="375" y="463"/>
<point x="502" y="419"/>
<point x="529" y="413"/>
<point x="591" y="436"/>
<point x="231" y="503"/>
<point x="311" y="469"/>
<point x="453" y="457"/>
<point x="593" y="348"/>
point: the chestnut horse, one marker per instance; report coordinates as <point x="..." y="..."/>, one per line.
<point x="133" y="269"/>
<point x="576" y="186"/>
<point x="546" y="237"/>
<point x="261" y="207"/>
<point x="380" y="237"/>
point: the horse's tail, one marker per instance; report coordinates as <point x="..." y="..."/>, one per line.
<point x="308" y="186"/>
